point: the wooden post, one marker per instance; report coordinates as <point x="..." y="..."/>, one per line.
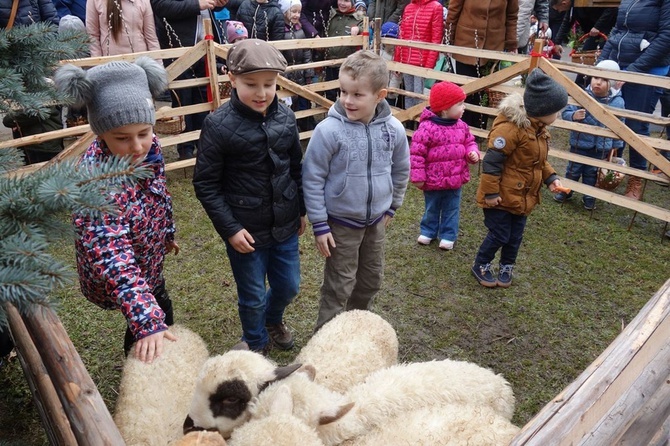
<point x="377" y="36"/>
<point x="365" y="33"/>
<point x="46" y="400"/>
<point x="89" y="418"/>
<point x="210" y="65"/>
<point x="537" y="49"/>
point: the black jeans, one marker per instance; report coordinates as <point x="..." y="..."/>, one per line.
<point x="163" y="301"/>
<point x="505" y="233"/>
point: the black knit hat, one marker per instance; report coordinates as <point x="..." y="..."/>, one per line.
<point x="543" y="96"/>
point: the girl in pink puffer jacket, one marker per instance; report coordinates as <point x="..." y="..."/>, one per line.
<point x="440" y="152"/>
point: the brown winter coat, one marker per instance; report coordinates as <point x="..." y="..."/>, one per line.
<point x="515" y="164"/>
<point x="493" y="22"/>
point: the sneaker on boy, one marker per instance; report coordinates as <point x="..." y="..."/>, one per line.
<point x="484" y="275"/>
<point x="505" y="276"/>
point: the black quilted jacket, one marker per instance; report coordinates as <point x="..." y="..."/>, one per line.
<point x="248" y="172"/>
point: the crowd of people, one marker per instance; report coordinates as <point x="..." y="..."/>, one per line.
<point x="258" y="191"/>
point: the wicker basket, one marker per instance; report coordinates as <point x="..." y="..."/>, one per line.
<point x="494" y="97"/>
<point x="609" y="179"/>
<point x="585" y="57"/>
<point x="172" y="125"/>
<point x="225" y="88"/>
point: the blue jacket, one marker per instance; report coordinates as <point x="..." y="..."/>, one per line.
<point x="28" y="12"/>
<point x="581" y="140"/>
<point x="638" y="20"/>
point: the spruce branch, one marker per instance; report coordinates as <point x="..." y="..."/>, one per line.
<point x="34" y="212"/>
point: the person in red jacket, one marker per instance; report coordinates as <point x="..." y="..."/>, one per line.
<point x="422" y="20"/>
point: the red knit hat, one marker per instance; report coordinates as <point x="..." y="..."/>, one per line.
<point x="444" y="95"/>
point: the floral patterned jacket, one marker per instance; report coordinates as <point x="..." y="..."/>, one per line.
<point x="120" y="255"/>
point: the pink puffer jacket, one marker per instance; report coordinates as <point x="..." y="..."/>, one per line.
<point x="421" y="21"/>
<point x="438" y="153"/>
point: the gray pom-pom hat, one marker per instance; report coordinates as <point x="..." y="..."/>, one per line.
<point x="116" y="93"/>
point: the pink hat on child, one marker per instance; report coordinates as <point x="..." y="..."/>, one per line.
<point x="235" y="31"/>
<point x="444" y="95"/>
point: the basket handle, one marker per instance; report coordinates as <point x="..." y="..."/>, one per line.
<point x="583" y="38"/>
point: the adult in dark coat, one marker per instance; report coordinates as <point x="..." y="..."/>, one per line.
<point x="592" y="21"/>
<point x="263" y="21"/>
<point x="179" y="24"/>
<point x="29" y="12"/>
<point x="640" y="43"/>
<point x="314" y="16"/>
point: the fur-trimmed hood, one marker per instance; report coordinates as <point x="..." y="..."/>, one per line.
<point x="513" y="109"/>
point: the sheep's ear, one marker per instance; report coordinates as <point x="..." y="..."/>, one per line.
<point x="282" y="402"/>
<point x="327" y="418"/>
<point x="283" y="372"/>
<point x="309" y="370"/>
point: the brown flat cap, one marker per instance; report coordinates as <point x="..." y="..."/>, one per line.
<point x="254" y="55"/>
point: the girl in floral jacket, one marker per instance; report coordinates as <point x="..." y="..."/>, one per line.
<point x="440" y="152"/>
<point x="120" y="252"/>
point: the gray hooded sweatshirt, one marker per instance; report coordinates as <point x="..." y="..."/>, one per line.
<point x="355" y="173"/>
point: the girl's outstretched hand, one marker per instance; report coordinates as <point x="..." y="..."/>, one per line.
<point x="151" y="347"/>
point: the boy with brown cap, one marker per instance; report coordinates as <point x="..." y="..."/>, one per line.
<point x="513" y="170"/>
<point x="248" y="178"/>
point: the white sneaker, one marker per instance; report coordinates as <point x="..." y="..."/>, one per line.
<point x="423" y="240"/>
<point x="447" y="245"/>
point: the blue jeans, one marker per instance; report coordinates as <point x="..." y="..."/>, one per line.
<point x="505" y="233"/>
<point x="259" y="305"/>
<point x="440" y="220"/>
<point x="639" y="98"/>
<point x="588" y="174"/>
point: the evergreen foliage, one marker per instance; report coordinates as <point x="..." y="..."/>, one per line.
<point x="28" y="57"/>
<point x="34" y="208"/>
<point x="34" y="212"/>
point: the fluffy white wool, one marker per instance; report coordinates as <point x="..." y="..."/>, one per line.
<point x="407" y="387"/>
<point x="349" y="347"/>
<point x="154" y="398"/>
<point x="279" y="428"/>
<point x="448" y="425"/>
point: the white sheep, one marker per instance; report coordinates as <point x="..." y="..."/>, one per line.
<point x="447" y="425"/>
<point x="444" y="425"/>
<point x="225" y="386"/>
<point x="349" y="347"/>
<point x="279" y="428"/>
<point x="389" y="393"/>
<point x="154" y="398"/>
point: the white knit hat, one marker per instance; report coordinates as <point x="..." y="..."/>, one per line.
<point x="285" y="5"/>
<point x="608" y="65"/>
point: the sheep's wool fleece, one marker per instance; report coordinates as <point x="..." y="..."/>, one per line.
<point x="159" y="394"/>
<point x="407" y="387"/>
<point x="448" y="425"/>
<point x="349" y="347"/>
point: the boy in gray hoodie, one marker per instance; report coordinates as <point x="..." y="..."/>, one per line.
<point x="355" y="174"/>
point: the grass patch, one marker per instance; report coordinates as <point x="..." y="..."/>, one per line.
<point x="580" y="277"/>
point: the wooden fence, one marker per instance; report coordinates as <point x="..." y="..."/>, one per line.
<point x="622" y="398"/>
